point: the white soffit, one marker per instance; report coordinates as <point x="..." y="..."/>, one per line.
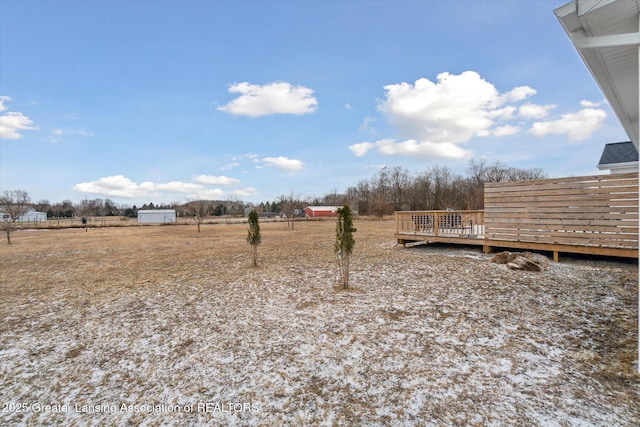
<point x="606" y="34"/>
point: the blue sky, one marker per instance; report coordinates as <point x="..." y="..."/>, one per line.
<point x="161" y="101"/>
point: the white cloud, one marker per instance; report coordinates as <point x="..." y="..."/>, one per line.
<point x="272" y="98"/>
<point x="452" y="110"/>
<point x="58" y="134"/>
<point x="590" y="104"/>
<point x="534" y="111"/>
<point x="117" y="186"/>
<point x="215" y="180"/>
<point x="229" y="166"/>
<point x="366" y="125"/>
<point x="361" y="149"/>
<point x="176" y="186"/>
<point x="210" y="194"/>
<point x="11" y="123"/>
<point x="121" y="186"/>
<point x="577" y="126"/>
<point x="520" y="93"/>
<point x="506" y="130"/>
<point x="437" y="117"/>
<point x="4" y="99"/>
<point x="283" y="163"/>
<point x="245" y="192"/>
<point x="412" y="148"/>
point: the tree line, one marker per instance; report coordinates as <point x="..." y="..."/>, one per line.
<point x="107" y="207"/>
<point x="388" y="190"/>
<point x="395" y="189"/>
<point x="435" y="188"/>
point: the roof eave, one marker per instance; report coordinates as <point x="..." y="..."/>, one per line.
<point x="589" y="50"/>
<point x="617" y="165"/>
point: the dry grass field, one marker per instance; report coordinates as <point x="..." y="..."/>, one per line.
<point x="160" y="325"/>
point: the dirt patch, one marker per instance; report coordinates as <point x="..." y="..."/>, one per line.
<point x="167" y="318"/>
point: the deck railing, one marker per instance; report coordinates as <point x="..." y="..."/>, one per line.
<point x="440" y="223"/>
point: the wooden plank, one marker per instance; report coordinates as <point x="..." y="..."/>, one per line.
<point x="562" y="231"/>
<point x="620" y="252"/>
<point x="551" y="241"/>
<point x="569" y="240"/>
<point x="592" y="197"/>
<point x="612" y="211"/>
<point x="543" y="229"/>
<point x="555" y="221"/>
<point x="595" y="179"/>
<point x="575" y="188"/>
<point x="569" y="191"/>
<point x="531" y="207"/>
<point x="565" y="229"/>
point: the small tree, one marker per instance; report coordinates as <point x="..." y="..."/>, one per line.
<point x="13" y="204"/>
<point x="288" y="205"/>
<point x="253" y="237"/>
<point x="344" y="243"/>
<point x="198" y="210"/>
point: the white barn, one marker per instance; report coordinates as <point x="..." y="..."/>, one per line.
<point x="30" y="216"/>
<point x="33" y="216"/>
<point x="156" y="216"/>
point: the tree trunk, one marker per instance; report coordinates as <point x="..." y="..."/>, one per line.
<point x="8" y="229"/>
<point x="345" y="278"/>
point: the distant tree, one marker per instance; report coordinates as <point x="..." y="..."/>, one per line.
<point x="129" y="213"/>
<point x="13" y="204"/>
<point x="344" y="243"/>
<point x="220" y="210"/>
<point x="110" y="208"/>
<point x="333" y="198"/>
<point x="480" y="173"/>
<point x="288" y="205"/>
<point x="364" y="197"/>
<point x="253" y="236"/>
<point x="198" y="210"/>
<point x="42" y="206"/>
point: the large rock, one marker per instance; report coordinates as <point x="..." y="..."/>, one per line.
<point x="521" y="261"/>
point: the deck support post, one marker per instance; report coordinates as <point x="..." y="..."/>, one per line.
<point x="556" y="256"/>
<point x="486" y="249"/>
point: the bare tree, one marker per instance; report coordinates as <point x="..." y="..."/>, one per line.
<point x="13" y="204"/>
<point x="399" y="184"/>
<point x="288" y="205"/>
<point x="364" y="197"/>
<point x="198" y="210"/>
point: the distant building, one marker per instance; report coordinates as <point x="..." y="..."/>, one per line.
<point x="31" y="216"/>
<point x="619" y="157"/>
<point x="156" y="216"/>
<point x="321" y="211"/>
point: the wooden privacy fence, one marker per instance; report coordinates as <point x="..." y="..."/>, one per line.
<point x="589" y="214"/>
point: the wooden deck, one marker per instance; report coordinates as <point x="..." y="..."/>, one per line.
<point x="595" y="215"/>
<point x="440" y="226"/>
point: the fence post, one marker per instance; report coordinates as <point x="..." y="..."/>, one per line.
<point x="436" y="224"/>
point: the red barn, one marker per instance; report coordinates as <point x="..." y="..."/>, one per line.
<point x="320" y="211"/>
